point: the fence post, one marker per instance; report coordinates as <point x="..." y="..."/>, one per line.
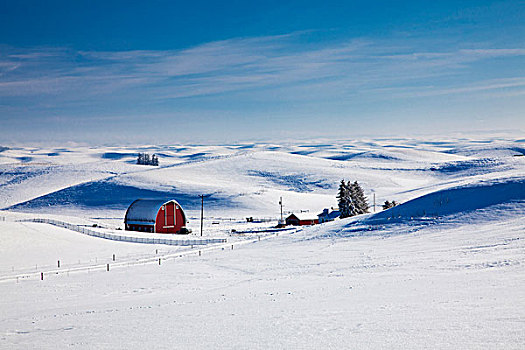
<point x="159" y="261"/>
<point x="41" y="276"/>
<point x="58" y="263"/>
<point x="113" y="257"/>
<point x="200" y="253"/>
<point x="107" y="267"/>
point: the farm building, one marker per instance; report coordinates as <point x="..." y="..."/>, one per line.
<point x="155" y="215"/>
<point x="328" y="215"/>
<point x="302" y="219"/>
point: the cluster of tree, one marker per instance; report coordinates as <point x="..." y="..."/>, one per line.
<point x="145" y="159"/>
<point x="352" y="200"/>
<point x="388" y="205"/>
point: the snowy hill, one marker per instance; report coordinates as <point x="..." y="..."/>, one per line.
<point x="457" y="200"/>
<point x="247" y="178"/>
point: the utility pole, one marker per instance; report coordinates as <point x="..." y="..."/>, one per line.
<point x="202" y="211"/>
<point x="281" y="204"/>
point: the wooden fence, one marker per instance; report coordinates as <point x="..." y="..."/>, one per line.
<point x="122" y="238"/>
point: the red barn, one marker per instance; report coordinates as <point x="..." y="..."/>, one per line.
<point x="155" y="215"/>
<point x="302" y="219"/>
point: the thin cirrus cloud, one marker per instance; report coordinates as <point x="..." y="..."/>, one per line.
<point x="253" y="65"/>
<point x="505" y="87"/>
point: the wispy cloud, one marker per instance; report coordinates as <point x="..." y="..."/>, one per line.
<point x="505" y="87"/>
<point x="244" y="64"/>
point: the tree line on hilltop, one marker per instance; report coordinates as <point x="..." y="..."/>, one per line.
<point x="145" y="159"/>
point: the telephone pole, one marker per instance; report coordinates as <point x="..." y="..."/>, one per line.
<point x="202" y="211"/>
<point x="281" y="204"/>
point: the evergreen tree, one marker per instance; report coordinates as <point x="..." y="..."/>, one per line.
<point x="346" y="203"/>
<point x="389" y="205"/>
<point x="352" y="204"/>
<point x="359" y="198"/>
<point x="343" y="202"/>
<point x="353" y="197"/>
<point x="140" y="159"/>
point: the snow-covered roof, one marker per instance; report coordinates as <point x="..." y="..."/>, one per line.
<point x="145" y="210"/>
<point x="305" y="216"/>
<point x="332" y="214"/>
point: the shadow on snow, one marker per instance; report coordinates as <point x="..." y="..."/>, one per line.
<point x="111" y="195"/>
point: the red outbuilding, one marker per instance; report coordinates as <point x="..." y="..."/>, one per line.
<point x="302" y="219"/>
<point x="154" y="215"/>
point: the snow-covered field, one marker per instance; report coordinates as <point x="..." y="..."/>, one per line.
<point x="443" y="270"/>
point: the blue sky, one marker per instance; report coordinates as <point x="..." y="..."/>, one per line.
<point x="120" y="72"/>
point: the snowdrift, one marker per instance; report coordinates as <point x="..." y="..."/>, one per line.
<point x="456" y="200"/>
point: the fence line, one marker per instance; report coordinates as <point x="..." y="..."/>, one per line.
<point x="147" y="240"/>
<point x="140" y="261"/>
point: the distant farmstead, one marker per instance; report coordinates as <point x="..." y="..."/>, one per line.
<point x="328" y="215"/>
<point x="153" y="215"/>
<point x="302" y="219"/>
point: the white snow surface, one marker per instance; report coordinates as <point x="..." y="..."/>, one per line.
<point x="445" y="269"/>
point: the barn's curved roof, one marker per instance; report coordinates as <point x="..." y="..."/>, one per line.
<point x="145" y="210"/>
